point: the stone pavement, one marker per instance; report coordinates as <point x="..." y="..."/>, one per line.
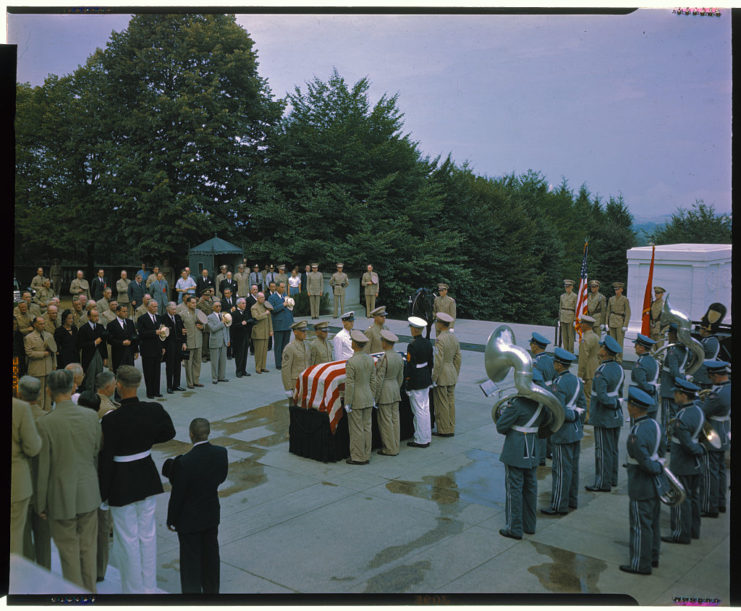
<point x="425" y="521"/>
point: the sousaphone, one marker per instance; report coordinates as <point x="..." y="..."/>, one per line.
<point x="696" y="351"/>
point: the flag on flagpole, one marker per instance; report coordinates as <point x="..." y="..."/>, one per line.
<point x="646" y="312"/>
<point x="581" y="304"/>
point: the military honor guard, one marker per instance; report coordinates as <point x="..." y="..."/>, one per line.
<point x="566" y="441"/>
<point x="618" y="316"/>
<point x="657" y="306"/>
<point x="374" y="331"/>
<point x="606" y="415"/>
<point x="342" y="341"/>
<point x="418" y="380"/>
<point x="444" y="303"/>
<point x="339" y="283"/>
<point x="360" y="390"/>
<point x="370" y="284"/>
<point x="588" y="356"/>
<point x="519" y="421"/>
<point x="596" y="307"/>
<point x="320" y="349"/>
<point x="390" y="377"/>
<point x="567" y="314"/>
<point x="445" y="373"/>
<point x="717" y="410"/>
<point x="542" y="361"/>
<point x="645" y="372"/>
<point x="315" y="288"/>
<point x="296" y="358"/>
<point x="645" y="447"/>
<point x="686" y="456"/>
<point x="675" y="361"/>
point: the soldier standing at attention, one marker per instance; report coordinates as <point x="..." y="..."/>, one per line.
<point x="596" y="308"/>
<point x="360" y="390"/>
<point x="567" y="314"/>
<point x="315" y="286"/>
<point x="342" y="341"/>
<point x="389" y="378"/>
<point x="418" y="379"/>
<point x="374" y="331"/>
<point x="644" y="449"/>
<point x="588" y="356"/>
<point x="320" y="349"/>
<point x="79" y="286"/>
<point x="281" y="276"/>
<point x="221" y="276"/>
<point x="444" y="303"/>
<point x="645" y="373"/>
<point x="618" y="316"/>
<point x="294" y="360"/>
<point x="675" y="360"/>
<point x="657" y="305"/>
<point x="711" y="347"/>
<point x="122" y="289"/>
<point x="370" y="285"/>
<point x="717" y="410"/>
<point x="544" y="362"/>
<point x="339" y="283"/>
<point x="445" y="373"/>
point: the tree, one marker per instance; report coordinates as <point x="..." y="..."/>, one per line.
<point x="698" y="225"/>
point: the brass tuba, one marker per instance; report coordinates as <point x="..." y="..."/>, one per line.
<point x="500" y="355"/>
<point x="697" y="353"/>
<point x="674" y="493"/>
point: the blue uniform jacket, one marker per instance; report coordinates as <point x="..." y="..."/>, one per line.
<point x="643" y="458"/>
<point x="282" y="316"/>
<point x="645" y="375"/>
<point x="711" y="346"/>
<point x="685" y="447"/>
<point x="674" y="364"/>
<point x="519" y="447"/>
<point x="717" y="408"/>
<point x="544" y="362"/>
<point x="570" y="392"/>
<point x="607" y="387"/>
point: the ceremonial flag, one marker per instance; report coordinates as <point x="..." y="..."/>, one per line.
<point x="646" y="313"/>
<point x="581" y="304"/>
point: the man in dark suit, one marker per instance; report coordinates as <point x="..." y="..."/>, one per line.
<point x="151" y="347"/>
<point x="136" y="293"/>
<point x="174" y="347"/>
<point x="129" y="479"/>
<point x="241" y="331"/>
<point x="194" y="511"/>
<point x="228" y="283"/>
<point x="228" y="304"/>
<point x="204" y="282"/>
<point x="91" y="342"/>
<point x="123" y="339"/>
<point x="97" y="285"/>
<point x="251" y="300"/>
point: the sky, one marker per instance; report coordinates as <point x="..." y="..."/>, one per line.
<point x="636" y="105"/>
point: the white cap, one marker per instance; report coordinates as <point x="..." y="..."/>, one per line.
<point x="417" y="322"/>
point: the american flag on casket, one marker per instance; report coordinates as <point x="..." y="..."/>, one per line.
<point x="320" y="387"/>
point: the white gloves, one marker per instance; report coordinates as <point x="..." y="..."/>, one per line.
<point x="625" y="329"/>
<point x="348" y="409"/>
<point x="289" y="393"/>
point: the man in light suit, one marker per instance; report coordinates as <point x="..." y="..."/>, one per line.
<point x="360" y="392"/>
<point x="193" y="330"/>
<point x="218" y="340"/>
<point x="194" y="512"/>
<point x="390" y="376"/>
<point x="26" y="444"/>
<point x="67" y="491"/>
<point x="262" y="331"/>
<point x="370" y="285"/>
<point x="79" y="286"/>
<point x="41" y="351"/>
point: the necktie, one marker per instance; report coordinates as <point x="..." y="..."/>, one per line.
<point x="153" y="319"/>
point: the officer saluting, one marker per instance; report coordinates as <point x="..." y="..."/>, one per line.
<point x="645" y="374"/>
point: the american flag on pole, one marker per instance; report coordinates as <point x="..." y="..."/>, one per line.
<point x="581" y="304"/>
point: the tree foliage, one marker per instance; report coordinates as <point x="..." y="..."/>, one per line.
<point x="698" y="225"/>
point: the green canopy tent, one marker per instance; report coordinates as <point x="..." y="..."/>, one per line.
<point x="212" y="254"/>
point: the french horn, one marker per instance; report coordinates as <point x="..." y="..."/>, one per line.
<point x="501" y="355"/>
<point x="697" y="353"/>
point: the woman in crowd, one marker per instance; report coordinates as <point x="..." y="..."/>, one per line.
<point x="66" y="338"/>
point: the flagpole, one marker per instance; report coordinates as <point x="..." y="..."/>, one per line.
<point x="646" y="312"/>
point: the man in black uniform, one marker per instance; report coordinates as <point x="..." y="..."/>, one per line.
<point x="418" y="380"/>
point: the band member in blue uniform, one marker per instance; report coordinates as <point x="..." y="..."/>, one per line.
<point x="717" y="409"/>
<point x="606" y="415"/>
<point x="566" y="441"/>
<point x="711" y="347"/>
<point x="675" y="361"/>
<point x="543" y="361"/>
<point x="645" y="374"/>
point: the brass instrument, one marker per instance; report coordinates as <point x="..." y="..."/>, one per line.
<point x="500" y="355"/>
<point x="675" y="493"/>
<point x="697" y="353"/>
<point x="709" y="437"/>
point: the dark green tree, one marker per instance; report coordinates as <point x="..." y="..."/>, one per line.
<point x="611" y="236"/>
<point x="698" y="225"/>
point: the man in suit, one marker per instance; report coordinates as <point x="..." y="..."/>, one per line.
<point x="445" y="375"/>
<point x="228" y="304"/>
<point x="251" y="300"/>
<point x="97" y="285"/>
<point x="67" y="490"/>
<point x="91" y="342"/>
<point x="304" y="278"/>
<point x="228" y="283"/>
<point x="295" y="359"/>
<point x="417" y="381"/>
<point x="153" y="276"/>
<point x="204" y="282"/>
<point x="389" y="378"/>
<point x="129" y="480"/>
<point x="315" y="288"/>
<point x="360" y="392"/>
<point x="339" y="283"/>
<point x="373" y="333"/>
<point x="220" y="277"/>
<point x="444" y="303"/>
<point x="103" y="303"/>
<point x="567" y="314"/>
<point x="320" y="350"/>
<point x="206" y="305"/>
<point x="370" y="285"/>
<point x="240" y="332"/>
<point x="262" y="331"/>
<point x="194" y="512"/>
<point x="218" y="340"/>
<point x="79" y="286"/>
<point x="588" y="356"/>
<point x="175" y="345"/>
<point x="243" y="281"/>
<point x="122" y="288"/>
<point x="25" y="444"/>
<point x="41" y="351"/>
<point x="122" y="338"/>
<point x="136" y="291"/>
<point x="282" y="319"/>
<point x="152" y="349"/>
<point x="193" y="329"/>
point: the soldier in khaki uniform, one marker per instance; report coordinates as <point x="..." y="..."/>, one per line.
<point x="444" y="303"/>
<point x="44" y="295"/>
<point x="370" y="284"/>
<point x="315" y="286"/>
<point x="281" y="276"/>
<point x="122" y="289"/>
<point x="618" y="316"/>
<point x="657" y="305"/>
<point x="596" y="305"/>
<point x="41" y="351"/>
<point x="261" y="331"/>
<point x="79" y="286"/>
<point x="143" y="308"/>
<point x="104" y="302"/>
<point x="38" y="280"/>
<point x="109" y="314"/>
<point x="373" y="333"/>
<point x="389" y="378"/>
<point x="243" y="281"/>
<point x="339" y="282"/>
<point x="295" y="359"/>
<point x="321" y="347"/>
<point x="360" y="390"/>
<point x="588" y="355"/>
<point x="445" y="370"/>
<point x="25" y="444"/>
<point x="23" y="319"/>
<point x="32" y="308"/>
<point x="566" y="314"/>
<point x="206" y="305"/>
<point x="51" y="319"/>
<point x="220" y="276"/>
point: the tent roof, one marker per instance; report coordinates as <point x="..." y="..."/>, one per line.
<point x="216" y="246"/>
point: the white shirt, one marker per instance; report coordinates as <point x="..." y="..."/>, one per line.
<point x="342" y="345"/>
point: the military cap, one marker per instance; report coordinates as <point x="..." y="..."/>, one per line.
<point x="444" y="317"/>
<point x="348" y="316"/>
<point x="281" y="267"/>
<point x="644" y="341"/>
<point x="618" y="285"/>
<point x="256" y="265"/>
<point x="379" y="311"/>
<point x="321" y="326"/>
<point x="539" y="339"/>
<point x="222" y="267"/>
<point x="359" y="337"/>
<point x="640" y="398"/>
<point x="340" y="265"/>
<point x="674" y="327"/>
<point x="442" y="286"/>
<point x="417" y="322"/>
<point x="611" y="344"/>
<point x="206" y="290"/>
<point x="538" y="376"/>
<point x="268" y="305"/>
<point x="594" y="283"/>
<point x="587" y="319"/>
<point x="720" y="367"/>
<point x="388" y="336"/>
<point x="563" y="356"/>
<point x="658" y="289"/>
<point x="314" y="265"/>
<point x="685" y="386"/>
<point x="568" y="282"/>
<point x="299" y="326"/>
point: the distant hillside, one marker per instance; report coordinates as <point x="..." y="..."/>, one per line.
<point x="644" y="231"/>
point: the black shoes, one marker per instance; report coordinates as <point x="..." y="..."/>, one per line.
<point x="668" y="539"/>
<point x="707" y="514"/>
<point x="510" y="535"/>
<point x="179" y="388"/>
<point x="443" y="434"/>
<point x="169" y="391"/>
<point x="350" y="461"/>
<point x="629" y="569"/>
<point x="413" y="444"/>
<point x="549" y="511"/>
<point x="595" y="489"/>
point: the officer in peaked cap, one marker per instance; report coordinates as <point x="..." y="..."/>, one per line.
<point x="360" y="392"/>
<point x="444" y="303"/>
<point x="618" y="316"/>
<point x="445" y="375"/>
<point x="544" y="362"/>
<point x="338" y="283"/>
<point x="295" y="359"/>
<point x="390" y="377"/>
<point x="321" y="347"/>
<point x="596" y="305"/>
<point x="342" y="341"/>
<point x="646" y="371"/>
<point x="374" y="331"/>
<point x="717" y="410"/>
<point x="657" y="306"/>
<point x="418" y="380"/>
<point x="315" y="287"/>
<point x="588" y="355"/>
<point x="567" y="314"/>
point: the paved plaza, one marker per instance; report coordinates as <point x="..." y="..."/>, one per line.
<point x="425" y="521"/>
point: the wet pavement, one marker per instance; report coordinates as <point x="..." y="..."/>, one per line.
<point x="425" y="521"/>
